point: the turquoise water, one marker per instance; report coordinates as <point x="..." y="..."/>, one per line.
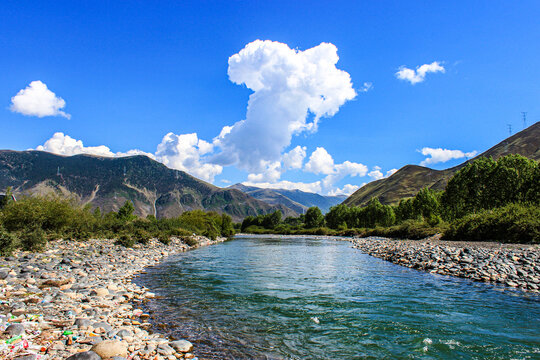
<point x="302" y="298"/>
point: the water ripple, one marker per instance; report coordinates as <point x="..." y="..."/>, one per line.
<point x="257" y="298"/>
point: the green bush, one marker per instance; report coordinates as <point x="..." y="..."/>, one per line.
<point x="190" y="240"/>
<point x="141" y="236"/>
<point x="33" y="239"/>
<point x="125" y="240"/>
<point x="515" y="223"/>
<point x="164" y="237"/>
<point x="8" y="242"/>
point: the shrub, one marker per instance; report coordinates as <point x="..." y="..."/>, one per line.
<point x="141" y="235"/>
<point x="125" y="240"/>
<point x="8" y="242"/>
<point x="164" y="237"/>
<point x="190" y="240"/>
<point x="512" y="223"/>
<point x="33" y="239"/>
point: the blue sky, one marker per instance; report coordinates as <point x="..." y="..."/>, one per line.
<point x="132" y="72"/>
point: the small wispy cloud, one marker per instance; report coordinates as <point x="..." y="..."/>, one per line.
<point x="419" y="75"/>
<point x="440" y="155"/>
<point x="366" y="87"/>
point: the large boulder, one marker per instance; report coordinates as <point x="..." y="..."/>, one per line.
<point x="181" y="346"/>
<point x="110" y="348"/>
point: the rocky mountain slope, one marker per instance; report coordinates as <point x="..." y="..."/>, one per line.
<point x="411" y="178"/>
<point x="109" y="182"/>
<point x="297" y="200"/>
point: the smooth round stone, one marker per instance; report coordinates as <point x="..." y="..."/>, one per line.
<point x="110" y="348"/>
<point x="123" y="333"/>
<point x="165" y="349"/>
<point x="15" y="330"/>
<point x="181" y="345"/>
<point x="4" y="273"/>
<point x="102" y="324"/>
<point x="87" y="355"/>
<point x="83" y="322"/>
<point x="101" y="292"/>
<point x="26" y="357"/>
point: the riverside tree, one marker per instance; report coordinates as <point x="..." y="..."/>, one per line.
<point x="314" y="217"/>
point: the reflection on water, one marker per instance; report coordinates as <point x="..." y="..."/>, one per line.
<point x="301" y="298"/>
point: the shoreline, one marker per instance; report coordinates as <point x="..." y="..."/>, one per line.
<point x="63" y="302"/>
<point x="515" y="266"/>
<point x="77" y="300"/>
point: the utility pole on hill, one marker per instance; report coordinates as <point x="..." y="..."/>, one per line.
<point x="509" y="129"/>
<point x="524" y="115"/>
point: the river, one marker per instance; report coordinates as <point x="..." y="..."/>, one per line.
<point x="263" y="297"/>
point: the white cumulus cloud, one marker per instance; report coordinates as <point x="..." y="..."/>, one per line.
<point x="418" y="75"/>
<point x="346" y="168"/>
<point x="391" y="172"/>
<point x="294" y="159"/>
<point x="66" y="145"/>
<point x="37" y="100"/>
<point x="320" y="162"/>
<point x="181" y="152"/>
<point x="440" y="155"/>
<point x="314" y="187"/>
<point x="376" y="174"/>
<point x="348" y="189"/>
<point x="184" y="152"/>
<point x="271" y="172"/>
<point x="292" y="91"/>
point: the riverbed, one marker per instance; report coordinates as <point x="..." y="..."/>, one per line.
<point x="318" y="298"/>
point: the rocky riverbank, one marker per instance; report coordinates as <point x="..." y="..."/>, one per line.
<point x="513" y="265"/>
<point x="76" y="301"/>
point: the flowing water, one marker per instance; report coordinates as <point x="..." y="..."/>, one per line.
<point x="307" y="298"/>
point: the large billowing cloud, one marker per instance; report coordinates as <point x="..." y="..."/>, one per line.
<point x="419" y="75"/>
<point x="185" y="152"/>
<point x="440" y="155"/>
<point x="292" y="91"/>
<point x="37" y="100"/>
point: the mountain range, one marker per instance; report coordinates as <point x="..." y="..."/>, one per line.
<point x="107" y="182"/>
<point x="157" y="190"/>
<point x="410" y="179"/>
<point x="296" y="200"/>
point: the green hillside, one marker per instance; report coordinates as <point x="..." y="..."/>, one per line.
<point x="109" y="182"/>
<point x="412" y="178"/>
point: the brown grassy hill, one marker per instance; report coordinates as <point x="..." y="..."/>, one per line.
<point x="412" y="178"/>
<point x="109" y="182"/>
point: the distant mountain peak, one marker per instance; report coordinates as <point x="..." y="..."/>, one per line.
<point x="295" y="199"/>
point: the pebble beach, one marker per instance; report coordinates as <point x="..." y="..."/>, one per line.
<point x="76" y="301"/>
<point x="510" y="265"/>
